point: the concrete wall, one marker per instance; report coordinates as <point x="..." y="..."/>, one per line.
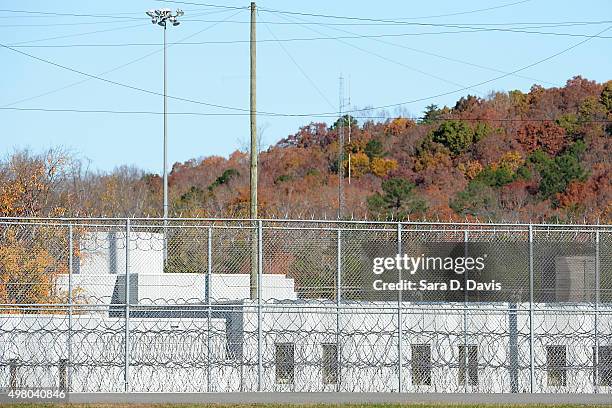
<point x="173" y="288"/>
<point x="172" y="354"/>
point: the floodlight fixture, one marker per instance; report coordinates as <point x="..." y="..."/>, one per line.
<point x="162" y="16"/>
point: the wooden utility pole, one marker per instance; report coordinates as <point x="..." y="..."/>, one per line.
<point x="253" y="116"/>
<point x="340" y="149"/>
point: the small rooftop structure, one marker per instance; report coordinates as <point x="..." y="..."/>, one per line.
<point x="99" y="275"/>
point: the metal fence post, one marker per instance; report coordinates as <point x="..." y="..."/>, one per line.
<point x="69" y="350"/>
<point x="165" y="241"/>
<point x="259" y="306"/>
<point x="531" y="351"/>
<point x="399" y="313"/>
<point x="465" y="318"/>
<point x="338" y="296"/>
<point x="597" y="299"/>
<point x="209" y="309"/>
<point x="127" y="308"/>
<point x="513" y="346"/>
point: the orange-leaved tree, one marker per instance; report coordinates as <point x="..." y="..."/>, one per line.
<point x="32" y="254"/>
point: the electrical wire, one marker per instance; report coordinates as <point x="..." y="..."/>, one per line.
<point x="120" y="84"/>
<point x="317" y="114"/>
<point x="79" y="34"/>
<point x="548" y="58"/>
<point x="327" y="16"/>
<point x="437" y="55"/>
<point x="470" y="11"/>
<point x="540" y="61"/>
<point x="204" y="4"/>
<point x="526" y="25"/>
<point x="221" y="114"/>
<point x="105" y="22"/>
<point x="312" y="83"/>
<point x="356" y="36"/>
<point x="484" y="28"/>
<point x="122" y="65"/>
<point x="49" y="13"/>
<point x="352" y="18"/>
<point x="308" y="114"/>
<point x="61" y="24"/>
<point x="384" y="58"/>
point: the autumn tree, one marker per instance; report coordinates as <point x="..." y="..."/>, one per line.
<point x="398" y="126"/>
<point x="382" y="167"/>
<point x="455" y="135"/>
<point x="374" y="149"/>
<point x="478" y="199"/>
<point x="483" y="155"/>
<point x="32" y="255"/>
<point x="557" y="172"/>
<point x="398" y="200"/>
<point x="606" y="96"/>
<point x="432" y="114"/>
<point x="345" y="121"/>
<point x="546" y="136"/>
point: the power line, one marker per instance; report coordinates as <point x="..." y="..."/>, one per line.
<point x="261" y="41"/>
<point x="548" y="58"/>
<point x="482" y="27"/>
<point x="312" y="83"/>
<point x="354" y="18"/>
<point x="78" y="34"/>
<point x="122" y="65"/>
<point x="335" y="116"/>
<point x="49" y="13"/>
<point x="471" y="11"/>
<point x="435" y="55"/>
<point x="45" y="14"/>
<point x="135" y="88"/>
<point x="204" y="4"/>
<point x="474" y="26"/>
<point x="309" y="114"/>
<point x="391" y="60"/>
<point x="532" y="24"/>
<point x="402" y="21"/>
<point x="392" y="21"/>
<point x="61" y="24"/>
<point x="100" y="22"/>
<point x="319" y="114"/>
<point x="324" y="38"/>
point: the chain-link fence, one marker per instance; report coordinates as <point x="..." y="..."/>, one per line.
<point x="194" y="305"/>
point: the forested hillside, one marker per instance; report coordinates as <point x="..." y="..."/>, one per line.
<point x="544" y="155"/>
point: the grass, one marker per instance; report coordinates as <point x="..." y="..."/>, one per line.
<point x="416" y="405"/>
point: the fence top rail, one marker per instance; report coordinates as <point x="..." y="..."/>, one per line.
<point x="70" y="220"/>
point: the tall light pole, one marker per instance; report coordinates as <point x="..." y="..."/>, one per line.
<point x="253" y="168"/>
<point x="162" y="17"/>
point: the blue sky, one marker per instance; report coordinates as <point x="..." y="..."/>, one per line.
<point x="413" y="61"/>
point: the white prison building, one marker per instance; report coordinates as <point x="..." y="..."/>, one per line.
<point x="177" y="341"/>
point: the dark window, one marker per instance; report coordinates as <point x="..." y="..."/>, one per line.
<point x="285" y="363"/>
<point x="471" y="363"/>
<point x="63" y="374"/>
<point x="604" y="366"/>
<point x="421" y="364"/>
<point x="13" y="374"/>
<point x="330" y="363"/>
<point x="556" y="362"/>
